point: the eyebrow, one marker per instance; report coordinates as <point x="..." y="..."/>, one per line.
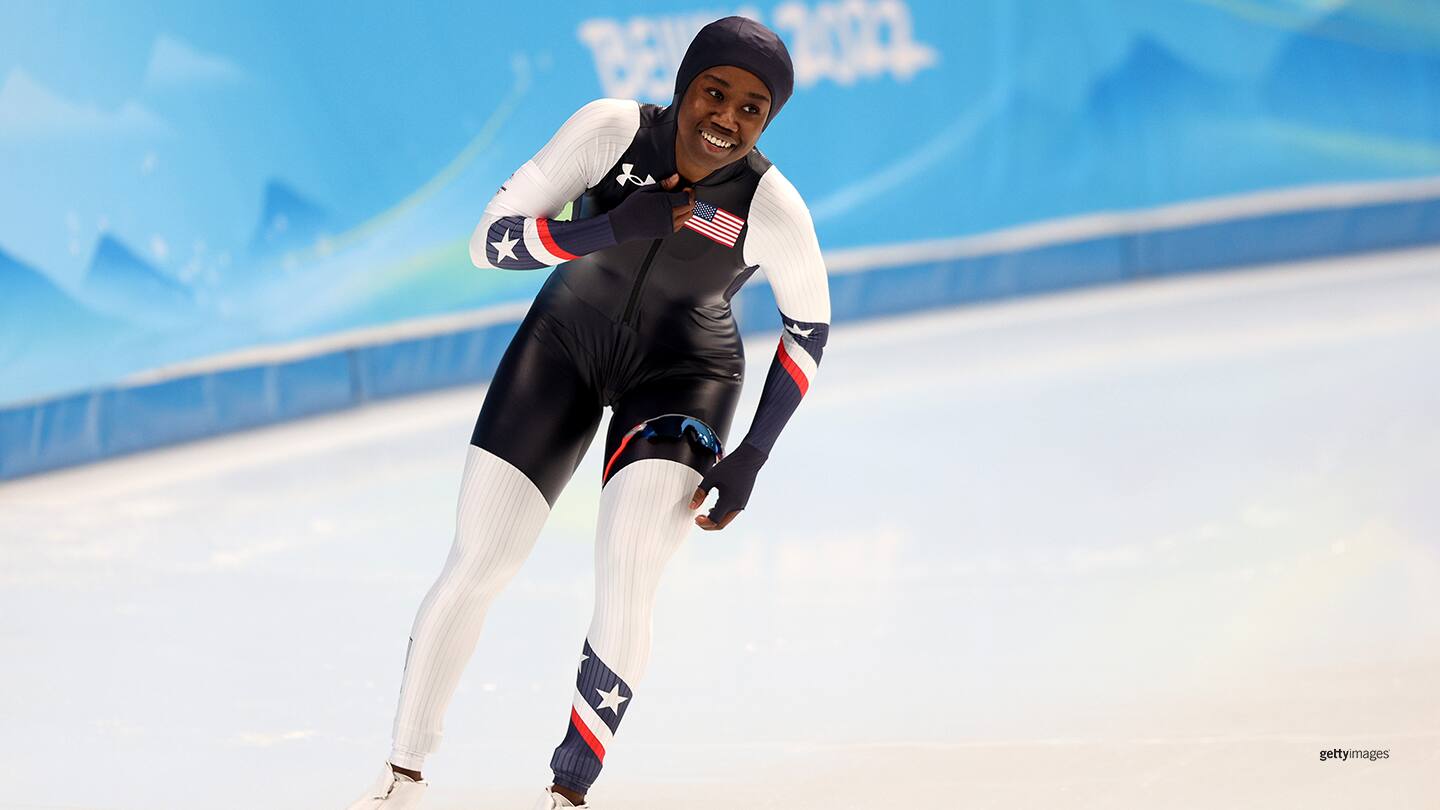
<point x="712" y="77"/>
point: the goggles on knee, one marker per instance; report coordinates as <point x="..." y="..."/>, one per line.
<point x="671" y="426"/>
<point x="679" y="426"/>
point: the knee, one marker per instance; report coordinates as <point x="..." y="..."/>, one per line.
<point x="499" y="516"/>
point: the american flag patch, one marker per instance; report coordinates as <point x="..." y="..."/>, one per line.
<point x="716" y="223"/>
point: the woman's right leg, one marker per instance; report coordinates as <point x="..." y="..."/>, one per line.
<point x="497" y="521"/>
<point x="538" y="418"/>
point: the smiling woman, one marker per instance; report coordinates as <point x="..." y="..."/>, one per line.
<point x="722" y="115"/>
<point x="637" y="318"/>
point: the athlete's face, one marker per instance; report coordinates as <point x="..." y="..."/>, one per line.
<point x="720" y="118"/>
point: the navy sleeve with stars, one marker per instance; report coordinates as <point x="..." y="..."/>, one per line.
<point x="518" y="230"/>
<point x="782" y="242"/>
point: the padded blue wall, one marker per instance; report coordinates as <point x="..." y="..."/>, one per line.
<point x="116" y="420"/>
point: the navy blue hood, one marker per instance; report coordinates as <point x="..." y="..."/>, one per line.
<point x="743" y="43"/>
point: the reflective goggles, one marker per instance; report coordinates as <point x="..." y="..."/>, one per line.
<point x="679" y="426"/>
<point x="671" y="426"/>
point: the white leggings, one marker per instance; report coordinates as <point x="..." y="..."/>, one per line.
<point x="644" y="517"/>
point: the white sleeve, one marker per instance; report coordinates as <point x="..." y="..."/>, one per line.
<point x="781" y="240"/>
<point x="575" y="159"/>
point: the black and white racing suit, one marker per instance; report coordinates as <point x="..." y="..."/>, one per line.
<point x="643" y="326"/>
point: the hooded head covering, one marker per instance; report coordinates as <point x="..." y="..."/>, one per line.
<point x="743" y="43"/>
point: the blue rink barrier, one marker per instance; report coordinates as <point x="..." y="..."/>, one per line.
<point x="964" y="279"/>
<point x="113" y="421"/>
<point x="121" y="419"/>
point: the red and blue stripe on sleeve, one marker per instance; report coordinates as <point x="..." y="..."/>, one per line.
<point x="796" y="360"/>
<point x="529" y="243"/>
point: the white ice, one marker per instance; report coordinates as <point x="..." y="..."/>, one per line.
<point x="1156" y="545"/>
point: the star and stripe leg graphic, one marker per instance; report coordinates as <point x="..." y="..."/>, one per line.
<point x="600" y="701"/>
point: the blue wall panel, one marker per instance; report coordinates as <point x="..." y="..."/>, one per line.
<point x="49" y="434"/>
<point x="314" y="385"/>
<point x="122" y="419"/>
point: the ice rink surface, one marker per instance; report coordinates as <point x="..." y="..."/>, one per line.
<point x="1149" y="546"/>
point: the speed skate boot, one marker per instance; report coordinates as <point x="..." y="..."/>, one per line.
<point x="392" y="791"/>
<point x="554" y="801"/>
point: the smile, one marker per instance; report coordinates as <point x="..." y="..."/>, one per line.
<point x="715" y="140"/>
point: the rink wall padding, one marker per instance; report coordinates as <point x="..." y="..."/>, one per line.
<point x="112" y="421"/>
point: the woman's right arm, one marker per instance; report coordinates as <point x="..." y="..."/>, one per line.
<point x="518" y="232"/>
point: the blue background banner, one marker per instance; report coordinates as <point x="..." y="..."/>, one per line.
<point x="180" y="180"/>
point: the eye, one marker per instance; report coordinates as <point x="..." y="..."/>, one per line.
<point x="715" y="94"/>
<point x="752" y="109"/>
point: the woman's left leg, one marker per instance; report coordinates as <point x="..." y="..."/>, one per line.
<point x="644" y="517"/>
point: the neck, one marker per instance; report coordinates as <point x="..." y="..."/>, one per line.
<point x="689" y="172"/>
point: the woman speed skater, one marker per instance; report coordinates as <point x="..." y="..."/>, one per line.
<point x="674" y="209"/>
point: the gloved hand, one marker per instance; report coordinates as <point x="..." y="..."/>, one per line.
<point x="652" y="213"/>
<point x="734" y="475"/>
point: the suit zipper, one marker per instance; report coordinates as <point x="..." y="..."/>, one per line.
<point x="640" y="282"/>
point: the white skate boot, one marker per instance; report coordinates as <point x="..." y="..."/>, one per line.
<point x="554" y="801"/>
<point x="392" y="791"/>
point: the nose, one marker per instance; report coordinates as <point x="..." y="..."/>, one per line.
<point x="725" y="119"/>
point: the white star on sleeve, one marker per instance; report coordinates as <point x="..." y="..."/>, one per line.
<point x="795" y="330"/>
<point x="504" y="247"/>
<point x="611" y="700"/>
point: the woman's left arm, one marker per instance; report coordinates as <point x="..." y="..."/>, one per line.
<point x="781" y="240"/>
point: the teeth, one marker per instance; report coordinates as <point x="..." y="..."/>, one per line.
<point x="723" y="144"/>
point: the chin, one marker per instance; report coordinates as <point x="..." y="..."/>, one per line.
<point x="721" y="161"/>
<point x="701" y="154"/>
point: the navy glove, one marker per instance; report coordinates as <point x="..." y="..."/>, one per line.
<point x="649" y="213"/>
<point x="734" y="475"/>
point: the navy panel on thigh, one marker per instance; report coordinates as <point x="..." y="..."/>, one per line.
<point x="711" y="399"/>
<point x="541" y="411"/>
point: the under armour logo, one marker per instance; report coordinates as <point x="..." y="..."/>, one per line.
<point x="625" y="175"/>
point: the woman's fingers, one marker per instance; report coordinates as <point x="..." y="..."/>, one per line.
<point x="704" y="522"/>
<point x="681" y="213"/>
